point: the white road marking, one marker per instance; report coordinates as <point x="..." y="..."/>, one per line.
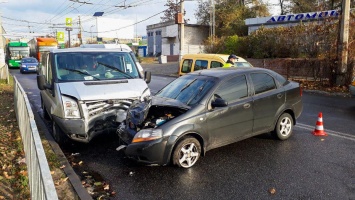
<point x="329" y="132"/>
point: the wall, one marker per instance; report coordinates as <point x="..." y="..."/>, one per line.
<point x="309" y="69"/>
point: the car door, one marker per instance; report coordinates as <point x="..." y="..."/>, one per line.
<point x="47" y="94"/>
<point x="227" y="124"/>
<point x="268" y="99"/>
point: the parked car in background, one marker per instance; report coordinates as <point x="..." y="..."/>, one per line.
<point x="194" y="62"/>
<point x="352" y="88"/>
<point x="207" y="109"/>
<point x="87" y="91"/>
<point x="28" y="64"/>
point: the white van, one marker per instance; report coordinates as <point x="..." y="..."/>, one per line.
<point x="87" y="91"/>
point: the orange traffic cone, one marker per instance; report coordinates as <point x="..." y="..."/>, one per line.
<point x="319" y="130"/>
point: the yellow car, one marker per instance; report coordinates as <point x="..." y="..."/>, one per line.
<point x="194" y="62"/>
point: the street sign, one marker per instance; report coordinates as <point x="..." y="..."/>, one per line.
<point x="60" y="37"/>
<point x="68" y="29"/>
<point x="68" y="21"/>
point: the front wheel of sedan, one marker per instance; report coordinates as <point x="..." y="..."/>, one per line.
<point x="187" y="152"/>
<point x="284" y="127"/>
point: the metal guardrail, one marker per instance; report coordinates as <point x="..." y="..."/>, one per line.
<point x="40" y="179"/>
<point x="4" y="72"/>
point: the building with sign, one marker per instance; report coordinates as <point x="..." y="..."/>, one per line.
<point x="289" y="19"/>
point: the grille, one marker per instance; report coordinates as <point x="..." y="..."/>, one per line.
<point x="97" y="107"/>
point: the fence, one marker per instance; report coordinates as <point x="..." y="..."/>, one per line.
<point x="4" y="72"/>
<point x="41" y="182"/>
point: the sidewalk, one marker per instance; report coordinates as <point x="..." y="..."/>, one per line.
<point x="167" y="69"/>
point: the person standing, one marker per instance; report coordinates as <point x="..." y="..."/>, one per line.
<point x="231" y="60"/>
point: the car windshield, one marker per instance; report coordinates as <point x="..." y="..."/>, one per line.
<point x="187" y="89"/>
<point x="29" y="60"/>
<point x="78" y="66"/>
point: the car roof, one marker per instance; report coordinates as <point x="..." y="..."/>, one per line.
<point x="221" y="72"/>
<point x="107" y="46"/>
<point x="78" y="49"/>
<point x="211" y="56"/>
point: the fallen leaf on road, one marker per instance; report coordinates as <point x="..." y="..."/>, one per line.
<point x="52" y="172"/>
<point x="106" y="187"/>
<point x="272" y="191"/>
<point x="80" y="163"/>
<point x="62" y="167"/>
<point x="97" y="183"/>
<point x="113" y="193"/>
<point x="322" y="139"/>
<point x="65" y="179"/>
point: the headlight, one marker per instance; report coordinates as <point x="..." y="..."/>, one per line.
<point x="145" y="95"/>
<point x="23" y="66"/>
<point x="147" y="135"/>
<point x="71" y="109"/>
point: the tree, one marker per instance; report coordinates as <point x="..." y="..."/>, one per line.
<point x="169" y="14"/>
<point x="230" y="15"/>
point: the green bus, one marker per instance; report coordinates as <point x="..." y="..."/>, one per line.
<point x="15" y="51"/>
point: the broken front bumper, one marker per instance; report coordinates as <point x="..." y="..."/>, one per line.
<point x="150" y="152"/>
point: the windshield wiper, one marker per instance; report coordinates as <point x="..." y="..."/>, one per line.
<point x="80" y="72"/>
<point x="198" y="93"/>
<point x="185" y="86"/>
<point x="114" y="68"/>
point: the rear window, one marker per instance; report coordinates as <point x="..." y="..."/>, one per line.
<point x="29" y="60"/>
<point x="186" y="66"/>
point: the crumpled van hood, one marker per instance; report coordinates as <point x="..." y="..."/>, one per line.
<point x="115" y="89"/>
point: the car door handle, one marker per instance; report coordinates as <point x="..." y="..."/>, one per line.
<point x="279" y="96"/>
<point x="246" y="106"/>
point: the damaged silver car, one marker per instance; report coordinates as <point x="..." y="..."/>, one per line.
<point x="209" y="109"/>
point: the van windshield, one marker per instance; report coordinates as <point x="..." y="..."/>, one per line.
<point x="79" y="66"/>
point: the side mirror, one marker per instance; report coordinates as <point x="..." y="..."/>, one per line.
<point x="147" y="76"/>
<point x="41" y="83"/>
<point x="219" y="102"/>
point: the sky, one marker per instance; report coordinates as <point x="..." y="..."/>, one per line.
<point x="29" y="18"/>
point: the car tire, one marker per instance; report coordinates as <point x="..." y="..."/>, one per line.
<point x="45" y="113"/>
<point x="58" y="134"/>
<point x="284" y="127"/>
<point x="186" y="152"/>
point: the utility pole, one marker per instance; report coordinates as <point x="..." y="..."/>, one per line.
<point x="182" y="30"/>
<point x="81" y="36"/>
<point x="343" y="43"/>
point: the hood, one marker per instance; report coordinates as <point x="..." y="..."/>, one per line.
<point x="159" y="101"/>
<point x="146" y="113"/>
<point x="97" y="90"/>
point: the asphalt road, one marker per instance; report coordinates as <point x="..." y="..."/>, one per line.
<point x="302" y="167"/>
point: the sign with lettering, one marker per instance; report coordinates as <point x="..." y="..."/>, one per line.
<point x="68" y="21"/>
<point x="304" y="16"/>
<point x="60" y="37"/>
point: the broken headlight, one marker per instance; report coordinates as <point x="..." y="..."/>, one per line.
<point x="71" y="109"/>
<point x="146" y="95"/>
<point x="147" y="135"/>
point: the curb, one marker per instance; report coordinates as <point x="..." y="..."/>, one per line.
<point x="68" y="170"/>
